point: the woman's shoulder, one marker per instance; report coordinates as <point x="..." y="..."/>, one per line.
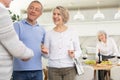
<point x="111" y="39"/>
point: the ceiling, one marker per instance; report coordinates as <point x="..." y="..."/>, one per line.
<point x="82" y="4"/>
<point x="70" y="4"/>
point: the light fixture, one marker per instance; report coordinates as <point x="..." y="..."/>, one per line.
<point x="117" y="15"/>
<point x="98" y="15"/>
<point x="79" y="16"/>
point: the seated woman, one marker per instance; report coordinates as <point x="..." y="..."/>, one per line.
<point x="107" y="48"/>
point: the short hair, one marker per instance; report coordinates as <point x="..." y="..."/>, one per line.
<point x="36" y="1"/>
<point x="64" y="13"/>
<point x="101" y="32"/>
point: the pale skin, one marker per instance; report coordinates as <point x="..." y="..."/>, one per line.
<point x="44" y="49"/>
<point x="102" y="37"/>
<point x="60" y="27"/>
<point x="34" y="11"/>
<point x="6" y="3"/>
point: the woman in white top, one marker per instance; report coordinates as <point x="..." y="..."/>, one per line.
<point x="107" y="48"/>
<point x="62" y="45"/>
<point x="106" y="45"/>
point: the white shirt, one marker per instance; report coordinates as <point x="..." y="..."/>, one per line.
<point x="58" y="44"/>
<point x="108" y="48"/>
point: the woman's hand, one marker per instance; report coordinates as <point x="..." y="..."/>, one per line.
<point x="44" y="49"/>
<point x="71" y="53"/>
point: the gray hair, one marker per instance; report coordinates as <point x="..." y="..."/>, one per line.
<point x="36" y="1"/>
<point x="101" y="32"/>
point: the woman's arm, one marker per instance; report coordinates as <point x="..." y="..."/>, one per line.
<point x="76" y="45"/>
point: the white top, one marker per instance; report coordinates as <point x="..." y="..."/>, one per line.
<point x="108" y="48"/>
<point x="58" y="44"/>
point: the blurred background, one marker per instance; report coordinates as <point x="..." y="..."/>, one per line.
<point x="87" y="17"/>
<point x="84" y="14"/>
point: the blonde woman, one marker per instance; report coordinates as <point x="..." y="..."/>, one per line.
<point x="62" y="45"/>
<point x="106" y="45"/>
<point x="107" y="48"/>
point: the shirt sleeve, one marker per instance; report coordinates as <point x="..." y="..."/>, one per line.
<point x="115" y="48"/>
<point x="9" y="39"/>
<point x="97" y="48"/>
<point x="76" y="45"/>
<point x="44" y="33"/>
<point x="17" y="28"/>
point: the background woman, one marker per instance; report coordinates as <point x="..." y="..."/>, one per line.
<point x="107" y="48"/>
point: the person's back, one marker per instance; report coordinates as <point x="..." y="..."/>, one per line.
<point x="10" y="45"/>
<point x="5" y="64"/>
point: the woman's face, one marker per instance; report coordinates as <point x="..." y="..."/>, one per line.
<point x="102" y="37"/>
<point x="57" y="17"/>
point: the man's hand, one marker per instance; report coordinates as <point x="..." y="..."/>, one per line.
<point x="25" y="59"/>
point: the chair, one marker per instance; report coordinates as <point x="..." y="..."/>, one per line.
<point x="115" y="73"/>
<point x="87" y="75"/>
<point x="45" y="71"/>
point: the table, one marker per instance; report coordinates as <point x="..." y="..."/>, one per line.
<point x="102" y="67"/>
<point x="95" y="67"/>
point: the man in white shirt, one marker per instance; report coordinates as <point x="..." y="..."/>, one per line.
<point x="10" y="45"/>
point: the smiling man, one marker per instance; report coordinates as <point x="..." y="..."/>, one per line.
<point x="32" y="35"/>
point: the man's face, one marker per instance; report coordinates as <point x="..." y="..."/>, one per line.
<point x="7" y="3"/>
<point x="34" y="11"/>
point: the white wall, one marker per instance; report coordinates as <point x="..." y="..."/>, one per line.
<point x="109" y="13"/>
<point x="91" y="28"/>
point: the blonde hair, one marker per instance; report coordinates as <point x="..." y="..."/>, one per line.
<point x="101" y="32"/>
<point x="64" y="13"/>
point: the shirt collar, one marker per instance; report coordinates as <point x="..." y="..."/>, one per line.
<point x="25" y="21"/>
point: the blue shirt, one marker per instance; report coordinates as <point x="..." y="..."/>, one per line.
<point x="32" y="36"/>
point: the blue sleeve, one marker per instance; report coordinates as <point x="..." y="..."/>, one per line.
<point x="17" y="28"/>
<point x="43" y="39"/>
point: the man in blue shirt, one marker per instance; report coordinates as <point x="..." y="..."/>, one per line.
<point x="32" y="35"/>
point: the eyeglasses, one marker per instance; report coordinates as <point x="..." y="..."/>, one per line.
<point x="35" y="9"/>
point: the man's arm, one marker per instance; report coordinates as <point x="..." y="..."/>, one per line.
<point x="9" y="38"/>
